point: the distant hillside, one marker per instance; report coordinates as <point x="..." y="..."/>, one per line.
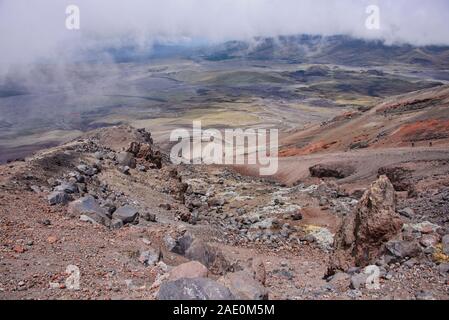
<point x="420" y="118"/>
<point x="336" y="49"/>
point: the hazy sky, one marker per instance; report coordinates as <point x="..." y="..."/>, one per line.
<point x="31" y="30"/>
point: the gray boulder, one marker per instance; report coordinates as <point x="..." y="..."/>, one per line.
<point x="243" y="286"/>
<point x="194" y="289"/>
<point x="126" y="214"/>
<point x="88" y="206"/>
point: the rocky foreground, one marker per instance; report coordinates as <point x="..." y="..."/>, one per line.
<point x="110" y="211"/>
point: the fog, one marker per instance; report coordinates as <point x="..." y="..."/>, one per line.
<point x="33" y="31"/>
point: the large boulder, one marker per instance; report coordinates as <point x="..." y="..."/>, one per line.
<point x="243" y="286"/>
<point x="364" y="232"/>
<point x="194" y="289"/>
<point x="331" y="170"/>
<point x="126" y="214"/>
<point x="189" y="270"/>
<point x="88" y="206"/>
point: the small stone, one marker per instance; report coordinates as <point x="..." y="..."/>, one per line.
<point x="407" y="212"/>
<point x="165" y="206"/>
<point x="443" y="268"/>
<point x="19" y="249"/>
<point x="424" y="295"/>
<point x="85" y="218"/>
<point x="445" y="243"/>
<point x="69" y="188"/>
<point x="429" y="240"/>
<point x="54" y="285"/>
<point x="124" y="170"/>
<point x="116" y="224"/>
<point x="150" y="257"/>
<point x="341" y="281"/>
<point x="126" y="159"/>
<point x="52" y="239"/>
<point x="296" y="216"/>
<point x="150" y="217"/>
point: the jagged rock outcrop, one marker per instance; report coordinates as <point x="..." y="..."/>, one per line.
<point x="364" y="233"/>
<point x="147" y="152"/>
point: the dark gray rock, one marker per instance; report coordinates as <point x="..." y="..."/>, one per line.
<point x="89" y="207"/>
<point x="194" y="289"/>
<point x="58" y="197"/>
<point x="124" y="169"/>
<point x="334" y="170"/>
<point x="67" y="187"/>
<point x="87" y="170"/>
<point x="116" y="224"/>
<point x="150" y="217"/>
<point x="127" y="214"/>
<point x="407" y="212"/>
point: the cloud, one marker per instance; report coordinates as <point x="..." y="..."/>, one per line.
<point x="35" y="30"/>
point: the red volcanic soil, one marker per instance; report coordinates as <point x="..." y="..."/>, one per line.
<point x="310" y="149"/>
<point x="423" y="130"/>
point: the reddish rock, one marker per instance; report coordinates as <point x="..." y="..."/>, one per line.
<point x="364" y="233"/>
<point x="19" y="249"/>
<point x="189" y="270"/>
<point x="244" y="287"/>
<point x="52" y="239"/>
